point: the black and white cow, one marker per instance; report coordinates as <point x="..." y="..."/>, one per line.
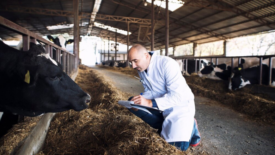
<point x="60" y="41"/>
<point x="32" y="83"/>
<point x="191" y="66"/>
<point x="242" y="77"/>
<point x="223" y="71"/>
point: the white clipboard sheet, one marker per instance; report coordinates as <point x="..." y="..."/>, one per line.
<point x="131" y="104"/>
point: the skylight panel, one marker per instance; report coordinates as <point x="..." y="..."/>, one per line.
<point x="172" y="5"/>
<point x="110" y="28"/>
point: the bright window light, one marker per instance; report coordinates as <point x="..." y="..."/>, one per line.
<point x="65" y="26"/>
<point x="172" y="5"/>
<point x="110" y="28"/>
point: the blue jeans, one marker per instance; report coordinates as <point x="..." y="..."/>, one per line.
<point x="156" y="119"/>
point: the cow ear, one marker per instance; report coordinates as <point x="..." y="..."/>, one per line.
<point x="27" y="77"/>
<point x="31" y="76"/>
<point x="50" y="38"/>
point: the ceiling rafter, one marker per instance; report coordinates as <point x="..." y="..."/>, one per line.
<point x="251" y="10"/>
<point x="250" y="16"/>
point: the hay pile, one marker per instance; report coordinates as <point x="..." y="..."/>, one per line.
<point x="104" y="128"/>
<point x="258" y="106"/>
<point x="16" y="135"/>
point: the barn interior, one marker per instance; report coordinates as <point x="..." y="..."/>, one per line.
<point x="128" y="22"/>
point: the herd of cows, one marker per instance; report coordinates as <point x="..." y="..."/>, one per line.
<point x="32" y="83"/>
<point x="242" y="73"/>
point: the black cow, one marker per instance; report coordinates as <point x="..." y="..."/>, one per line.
<point x="31" y="83"/>
<point x="191" y="65"/>
<point x="122" y="64"/>
<point x="242" y="77"/>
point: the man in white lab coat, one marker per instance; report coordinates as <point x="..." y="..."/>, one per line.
<point x="166" y="89"/>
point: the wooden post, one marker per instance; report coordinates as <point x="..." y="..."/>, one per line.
<point x="116" y="46"/>
<point x="76" y="32"/>
<point x="232" y="64"/>
<point x="128" y="27"/>
<point x="33" y="40"/>
<point x="152" y="25"/>
<point x="261" y="70"/>
<point x="68" y="64"/>
<point x="108" y="48"/>
<point x="224" y="48"/>
<point x="167" y="29"/>
<point x="26" y="43"/>
<point x="48" y="49"/>
<point x="270" y="71"/>
<point x="64" y="62"/>
<point x="194" y="48"/>
<point x="58" y="55"/>
<point x="51" y="51"/>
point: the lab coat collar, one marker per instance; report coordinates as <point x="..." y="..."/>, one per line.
<point x="152" y="61"/>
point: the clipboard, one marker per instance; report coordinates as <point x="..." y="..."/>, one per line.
<point x="131" y="104"/>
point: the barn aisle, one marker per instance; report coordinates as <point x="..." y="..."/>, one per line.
<point x="223" y="130"/>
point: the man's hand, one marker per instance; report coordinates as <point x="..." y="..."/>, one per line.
<point x="142" y="101"/>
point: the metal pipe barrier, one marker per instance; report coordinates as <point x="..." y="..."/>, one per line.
<point x="261" y="57"/>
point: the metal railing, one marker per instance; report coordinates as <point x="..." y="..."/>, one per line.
<point x="261" y="57"/>
<point x="68" y="59"/>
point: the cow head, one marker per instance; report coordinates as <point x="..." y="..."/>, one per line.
<point x="237" y="81"/>
<point x="55" y="40"/>
<point x="40" y="86"/>
<point x="70" y="41"/>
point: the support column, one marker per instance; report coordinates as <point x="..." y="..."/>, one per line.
<point x="26" y="43"/>
<point x="116" y="46"/>
<point x="104" y="51"/>
<point x="33" y="40"/>
<point x="224" y="48"/>
<point x="152" y="25"/>
<point x="194" y="48"/>
<point x="76" y="32"/>
<point x="167" y="30"/>
<point x="128" y="27"/>
<point x="108" y="48"/>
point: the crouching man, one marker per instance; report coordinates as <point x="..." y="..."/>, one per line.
<point x="166" y="89"/>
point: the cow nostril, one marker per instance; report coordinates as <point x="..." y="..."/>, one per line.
<point x="88" y="99"/>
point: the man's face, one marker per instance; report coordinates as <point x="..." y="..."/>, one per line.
<point x="138" y="60"/>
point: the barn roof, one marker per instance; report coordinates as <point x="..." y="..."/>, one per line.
<point x="197" y="21"/>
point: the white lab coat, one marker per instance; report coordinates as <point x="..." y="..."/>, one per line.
<point x="164" y="83"/>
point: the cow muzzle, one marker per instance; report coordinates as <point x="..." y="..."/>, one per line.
<point x="88" y="99"/>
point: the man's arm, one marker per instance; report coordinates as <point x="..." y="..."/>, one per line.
<point x="177" y="89"/>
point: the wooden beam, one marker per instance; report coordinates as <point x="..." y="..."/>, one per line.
<point x="76" y="32"/>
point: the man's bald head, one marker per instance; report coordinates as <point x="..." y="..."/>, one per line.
<point x="139" y="57"/>
<point x="138" y="48"/>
